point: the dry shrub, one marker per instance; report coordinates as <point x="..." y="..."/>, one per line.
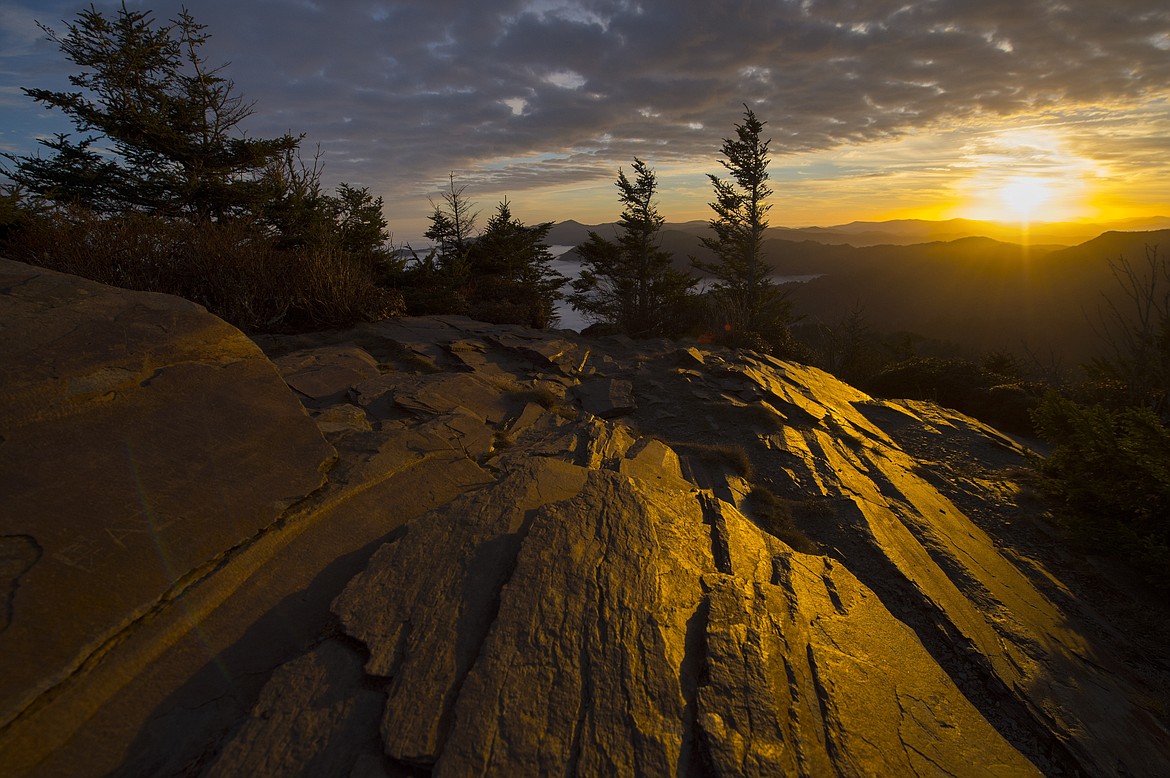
<point x="777" y="516"/>
<point x="233" y="269"/>
<point x="731" y="458"/>
<point x="334" y="288"/>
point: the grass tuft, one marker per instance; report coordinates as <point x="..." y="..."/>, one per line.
<point x="777" y="517"/>
<point x="732" y="458"/>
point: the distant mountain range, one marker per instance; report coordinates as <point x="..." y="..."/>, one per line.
<point x="900" y="232"/>
<point x="935" y="279"/>
<point x="978" y="293"/>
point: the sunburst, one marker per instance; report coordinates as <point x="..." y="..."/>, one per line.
<point x="1023" y="197"/>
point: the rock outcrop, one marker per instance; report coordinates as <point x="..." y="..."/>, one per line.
<point x="134" y="453"/>
<point x="510" y="552"/>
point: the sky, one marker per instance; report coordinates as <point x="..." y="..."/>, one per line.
<point x="1016" y="110"/>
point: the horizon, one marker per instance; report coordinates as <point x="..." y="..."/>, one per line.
<point x="830" y="226"/>
<point x="1037" y="112"/>
<point x="1065" y="233"/>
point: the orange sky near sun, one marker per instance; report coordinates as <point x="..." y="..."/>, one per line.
<point x="1011" y="171"/>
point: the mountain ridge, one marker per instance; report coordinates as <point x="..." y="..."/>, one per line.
<point x="901" y="231"/>
<point x="979" y="293"/>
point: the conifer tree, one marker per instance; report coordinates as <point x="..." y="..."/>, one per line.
<point x="437" y="282"/>
<point x="755" y="310"/>
<point x="160" y="127"/>
<point x="453" y="222"/>
<point x="630" y="282"/>
<point x="359" y="220"/>
<point x="511" y="277"/>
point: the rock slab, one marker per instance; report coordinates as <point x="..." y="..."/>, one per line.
<point x="140" y="439"/>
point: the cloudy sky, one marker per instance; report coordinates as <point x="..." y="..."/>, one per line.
<point x="931" y="108"/>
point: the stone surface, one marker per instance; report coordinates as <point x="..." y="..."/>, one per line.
<point x="428" y="639"/>
<point x="587" y="667"/>
<point x="327" y="375"/>
<point x="861" y="694"/>
<point x="142" y="439"/>
<point x="343" y="418"/>
<point x="513" y="568"/>
<point x="315" y="718"/>
<point x="608" y="398"/>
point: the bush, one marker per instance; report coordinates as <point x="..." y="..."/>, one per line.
<point x="729" y="323"/>
<point x="1110" y="470"/>
<point x="233" y="269"/>
<point x="999" y="400"/>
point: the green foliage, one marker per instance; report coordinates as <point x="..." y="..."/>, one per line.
<point x="428" y="286"/>
<point x="1110" y="470"/>
<point x="165" y="193"/>
<point x="299" y="214"/>
<point x="747" y="305"/>
<point x="511" y="278"/>
<point x="847" y="348"/>
<point x="359" y="221"/>
<point x="294" y="208"/>
<point x="502" y="275"/>
<point x="630" y="283"/>
<point x="438" y="282"/>
<point x="159" y="125"/>
<point x="13" y="214"/>
<point x="453" y="222"/>
<point x="760" y="322"/>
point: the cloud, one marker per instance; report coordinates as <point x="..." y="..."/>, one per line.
<point x="416" y="88"/>
<point x="18" y="30"/>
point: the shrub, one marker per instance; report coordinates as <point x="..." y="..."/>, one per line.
<point x="997" y="399"/>
<point x="233" y="268"/>
<point x="734" y="459"/>
<point x="1110" y="471"/>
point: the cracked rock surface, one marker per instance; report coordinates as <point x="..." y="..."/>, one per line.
<point x="536" y="553"/>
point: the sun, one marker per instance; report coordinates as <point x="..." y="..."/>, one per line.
<point x="1024" y="176"/>
<point x="1023" y="197"/>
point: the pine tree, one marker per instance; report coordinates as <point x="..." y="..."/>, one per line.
<point x="754" y="309"/>
<point x="359" y="221"/>
<point x="630" y="283"/>
<point x="160" y="125"/>
<point x="511" y="277"/>
<point x="453" y="222"/>
<point x="437" y="282"/>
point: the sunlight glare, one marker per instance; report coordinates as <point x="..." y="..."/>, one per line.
<point x="1024" y="175"/>
<point x="1023" y="197"/>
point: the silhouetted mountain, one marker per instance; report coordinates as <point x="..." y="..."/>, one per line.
<point x="977" y="292"/>
<point x="898" y="232"/>
<point x="909" y="231"/>
<point x="568" y="233"/>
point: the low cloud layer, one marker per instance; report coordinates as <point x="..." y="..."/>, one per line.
<point x="516" y="94"/>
